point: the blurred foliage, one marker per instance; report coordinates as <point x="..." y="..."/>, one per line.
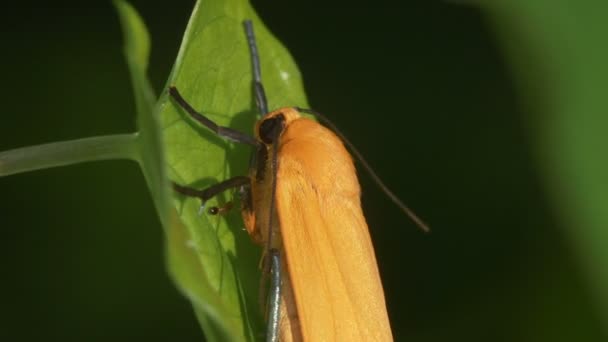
<point x="422" y="89"/>
<point x="559" y="54"/>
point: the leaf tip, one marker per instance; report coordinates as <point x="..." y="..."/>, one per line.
<point x="137" y="39"/>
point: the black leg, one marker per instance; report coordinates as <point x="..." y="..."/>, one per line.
<point x="205" y="194"/>
<point x="224" y="132"/>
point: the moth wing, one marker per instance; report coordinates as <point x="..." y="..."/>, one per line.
<point x="330" y="257"/>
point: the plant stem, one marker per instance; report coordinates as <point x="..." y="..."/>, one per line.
<point x="119" y="146"/>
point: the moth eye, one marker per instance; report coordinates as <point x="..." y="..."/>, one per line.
<point x="270" y="128"/>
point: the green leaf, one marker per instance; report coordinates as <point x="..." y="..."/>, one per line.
<point x="212" y="258"/>
<point x="559" y="52"/>
<point x="150" y="145"/>
<point x="31" y="158"/>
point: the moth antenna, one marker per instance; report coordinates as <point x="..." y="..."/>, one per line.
<point x="258" y="88"/>
<point x="409" y="212"/>
<point x="262" y="104"/>
<point x="274" y="298"/>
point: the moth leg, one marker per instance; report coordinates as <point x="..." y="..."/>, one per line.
<point x="221" y="210"/>
<point x="207" y="193"/>
<point x="274" y="297"/>
<point x="224" y="132"/>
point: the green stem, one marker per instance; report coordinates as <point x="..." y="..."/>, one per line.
<point x="119" y="146"/>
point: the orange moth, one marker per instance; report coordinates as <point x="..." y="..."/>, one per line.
<point x="301" y="200"/>
<point x="332" y="289"/>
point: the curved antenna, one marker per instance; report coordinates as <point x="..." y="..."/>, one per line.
<point x="258" y="88"/>
<point x="274" y="298"/>
<point x="409" y="212"/>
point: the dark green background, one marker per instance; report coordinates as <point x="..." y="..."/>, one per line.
<point x="421" y="89"/>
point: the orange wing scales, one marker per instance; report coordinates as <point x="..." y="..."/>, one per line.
<point x="330" y="258"/>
